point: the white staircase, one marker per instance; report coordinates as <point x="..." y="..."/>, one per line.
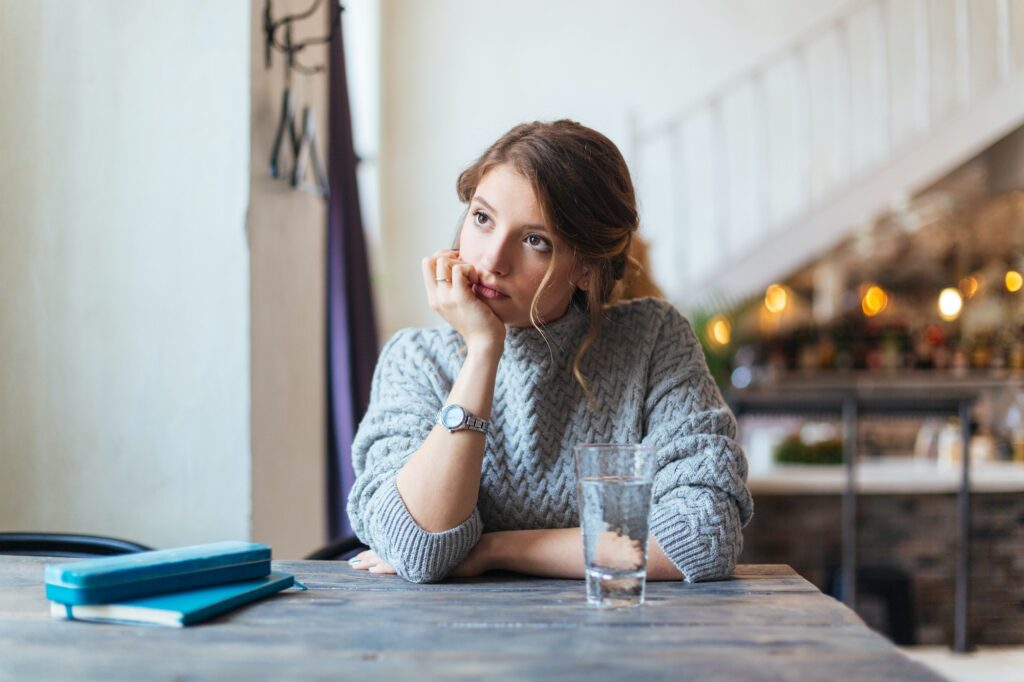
<point x="781" y="163"/>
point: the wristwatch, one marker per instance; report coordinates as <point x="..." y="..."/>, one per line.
<point x="456" y="418"/>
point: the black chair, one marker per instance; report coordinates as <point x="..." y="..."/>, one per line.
<point x="338" y="549"/>
<point x="66" y="545"/>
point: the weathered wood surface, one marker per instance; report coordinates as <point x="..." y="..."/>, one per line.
<point x="766" y="623"/>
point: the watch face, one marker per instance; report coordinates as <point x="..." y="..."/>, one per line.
<point x="453" y="416"/>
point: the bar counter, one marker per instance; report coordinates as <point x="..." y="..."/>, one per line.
<point x="889" y="475"/>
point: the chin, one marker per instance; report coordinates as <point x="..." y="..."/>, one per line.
<point x="514" y="320"/>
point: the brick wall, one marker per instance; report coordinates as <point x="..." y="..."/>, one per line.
<point x="914" y="533"/>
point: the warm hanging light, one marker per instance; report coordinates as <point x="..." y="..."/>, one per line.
<point x="719" y="330"/>
<point x="950" y="304"/>
<point x="1014" y="281"/>
<point x="875" y="300"/>
<point x="969" y="286"/>
<point x="775" y="298"/>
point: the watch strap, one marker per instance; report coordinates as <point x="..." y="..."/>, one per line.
<point x="469" y="420"/>
<point x="475" y="423"/>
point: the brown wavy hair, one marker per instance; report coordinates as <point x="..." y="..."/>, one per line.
<point x="586" y="194"/>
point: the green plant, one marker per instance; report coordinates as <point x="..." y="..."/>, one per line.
<point x="793" y="450"/>
<point x="719" y="358"/>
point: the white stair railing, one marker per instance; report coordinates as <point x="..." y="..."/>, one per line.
<point x="735" y="189"/>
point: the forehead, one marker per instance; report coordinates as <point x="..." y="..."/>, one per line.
<point x="510" y="194"/>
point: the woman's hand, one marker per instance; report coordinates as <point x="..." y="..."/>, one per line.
<point x="448" y="282"/>
<point x="369" y="561"/>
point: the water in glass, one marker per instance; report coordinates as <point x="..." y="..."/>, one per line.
<point x="614" y="516"/>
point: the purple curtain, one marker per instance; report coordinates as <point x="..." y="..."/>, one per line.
<point x="351" y="328"/>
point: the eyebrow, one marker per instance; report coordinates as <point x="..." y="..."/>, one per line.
<point x="477" y="197"/>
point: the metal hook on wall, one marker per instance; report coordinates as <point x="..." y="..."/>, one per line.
<point x="302" y="143"/>
<point x="290" y="48"/>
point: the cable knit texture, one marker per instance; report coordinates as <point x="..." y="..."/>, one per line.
<point x="651" y="385"/>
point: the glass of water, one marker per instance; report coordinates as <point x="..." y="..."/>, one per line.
<point x="614" y="492"/>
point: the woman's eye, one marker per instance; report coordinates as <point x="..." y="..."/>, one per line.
<point x="539" y="243"/>
<point x="481" y="218"/>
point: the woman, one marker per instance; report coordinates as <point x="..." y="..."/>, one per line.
<point x="538" y="357"/>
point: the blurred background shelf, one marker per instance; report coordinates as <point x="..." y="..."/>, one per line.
<point x="887" y="476"/>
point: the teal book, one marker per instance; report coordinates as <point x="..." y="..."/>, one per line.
<point x="177" y="609"/>
<point x="127" y="576"/>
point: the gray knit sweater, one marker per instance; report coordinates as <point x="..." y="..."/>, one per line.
<point x="651" y="385"/>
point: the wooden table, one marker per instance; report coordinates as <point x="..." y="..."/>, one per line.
<point x="766" y="623"/>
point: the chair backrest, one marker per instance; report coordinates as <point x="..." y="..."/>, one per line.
<point x="66" y="545"/>
<point x="338" y="549"/>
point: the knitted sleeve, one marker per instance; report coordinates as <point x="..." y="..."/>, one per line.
<point x="700" y="501"/>
<point x="405" y="395"/>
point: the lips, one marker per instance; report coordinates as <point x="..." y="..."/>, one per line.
<point x="484" y="291"/>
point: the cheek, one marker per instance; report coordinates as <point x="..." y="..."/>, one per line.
<point x="556" y="286"/>
<point x="468" y="246"/>
<point x="559" y="291"/>
<point x="559" y="279"/>
<point x="469" y="254"/>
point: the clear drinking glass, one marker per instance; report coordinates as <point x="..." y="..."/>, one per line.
<point x="614" y="492"/>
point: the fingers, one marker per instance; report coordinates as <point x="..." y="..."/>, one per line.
<point x="445" y="259"/>
<point x="442" y="269"/>
<point x="427" y="269"/>
<point x="369" y="561"/>
<point x="364" y="560"/>
<point x="462" y="278"/>
<point x="436" y="270"/>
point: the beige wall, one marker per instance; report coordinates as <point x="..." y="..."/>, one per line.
<point x="287" y="229"/>
<point x="124" y="283"/>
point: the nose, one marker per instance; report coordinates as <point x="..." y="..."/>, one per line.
<point x="497" y="254"/>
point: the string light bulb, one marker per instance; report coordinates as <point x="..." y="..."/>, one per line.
<point x="719" y="330"/>
<point x="950" y="304"/>
<point x="776" y="298"/>
<point x="1014" y="281"/>
<point x="874" y="301"/>
<point x="969" y="286"/>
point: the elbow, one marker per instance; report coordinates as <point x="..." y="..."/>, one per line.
<point x="727" y="552"/>
<point x="723" y="567"/>
<point x="421" y="556"/>
<point x="701" y="533"/>
<point x="429" y="566"/>
<point x="423" y="574"/>
<point x="722" y="553"/>
<point x="416" y="554"/>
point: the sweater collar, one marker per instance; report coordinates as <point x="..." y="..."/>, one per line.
<point x="563" y="336"/>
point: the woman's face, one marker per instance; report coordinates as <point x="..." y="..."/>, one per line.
<point x="505" y="238"/>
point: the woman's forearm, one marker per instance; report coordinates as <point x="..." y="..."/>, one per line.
<point x="440" y="482"/>
<point x="558" y="553"/>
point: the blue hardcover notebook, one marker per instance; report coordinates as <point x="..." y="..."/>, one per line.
<point x="177" y="609"/>
<point x="126" y="576"/>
